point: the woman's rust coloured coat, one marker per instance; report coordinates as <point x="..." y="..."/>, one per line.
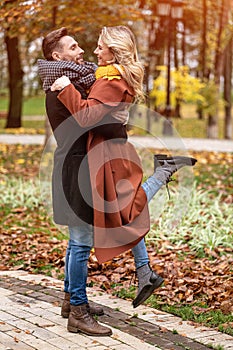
<point x="121" y="216"/>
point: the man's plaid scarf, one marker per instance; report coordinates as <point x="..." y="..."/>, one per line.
<point x="79" y="74"/>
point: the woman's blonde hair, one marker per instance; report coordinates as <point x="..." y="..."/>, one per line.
<point x="121" y="41"/>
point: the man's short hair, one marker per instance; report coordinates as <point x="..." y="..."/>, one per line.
<point x="51" y="42"/>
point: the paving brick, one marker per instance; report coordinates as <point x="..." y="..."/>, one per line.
<point x="214" y="339"/>
<point x="42" y="304"/>
<point x="125" y="347"/>
<point x="21" y="299"/>
<point x="36" y="294"/>
<point x="228" y="346"/>
<point x="142" y="332"/>
<point x="107" y="341"/>
<point x="199" y="334"/>
<point x="58" y="320"/>
<point x="99" y="347"/>
<point x="38" y="343"/>
<point x="35" y="287"/>
<point x="40" y="321"/>
<point x="163" y="319"/>
<point x="43" y="334"/>
<point x="2" y="347"/>
<point x="4" y="292"/>
<point x="5" y="316"/>
<point x="22" y="324"/>
<point x="56" y="293"/>
<point x="62" y="343"/>
<point x="19" y="313"/>
<point x="37" y="311"/>
<point x="13" y="343"/>
<point x="128" y="339"/>
<point x="4" y="326"/>
<point x="83" y="340"/>
<point x="48" y="298"/>
<point x="56" y="310"/>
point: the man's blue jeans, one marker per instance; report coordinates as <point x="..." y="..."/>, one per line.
<point x="77" y="255"/>
<point x="79" y="247"/>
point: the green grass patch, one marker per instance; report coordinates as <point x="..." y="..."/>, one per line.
<point x="17" y="192"/>
<point x="220" y="174"/>
<point x="207" y="224"/>
<point x="31" y="106"/>
<point x="187" y="126"/>
<point x="184" y="127"/>
<point x="34" y="105"/>
<point x="126" y="293"/>
<point x="209" y="318"/>
<point x="44" y="269"/>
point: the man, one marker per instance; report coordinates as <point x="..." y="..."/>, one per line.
<point x="63" y="53"/>
<point x="69" y="206"/>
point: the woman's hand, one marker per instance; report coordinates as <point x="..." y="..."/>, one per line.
<point x="60" y="83"/>
<point x="121" y="116"/>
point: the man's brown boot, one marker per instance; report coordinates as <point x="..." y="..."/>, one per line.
<point x="95" y="310"/>
<point x="92" y="309"/>
<point x="65" y="308"/>
<point x="81" y="321"/>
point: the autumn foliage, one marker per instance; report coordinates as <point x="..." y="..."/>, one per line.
<point x="30" y="241"/>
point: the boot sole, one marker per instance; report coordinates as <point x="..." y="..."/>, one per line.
<point x="146" y="292"/>
<point x="77" y="330"/>
<point x="160" y="158"/>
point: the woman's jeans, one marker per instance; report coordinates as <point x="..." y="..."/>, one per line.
<point x="80" y="245"/>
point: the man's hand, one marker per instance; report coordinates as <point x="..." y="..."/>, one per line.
<point x="121" y="116"/>
<point x="60" y="83"/>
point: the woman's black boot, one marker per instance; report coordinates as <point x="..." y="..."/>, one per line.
<point x="148" y="281"/>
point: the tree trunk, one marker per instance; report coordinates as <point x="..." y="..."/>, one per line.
<point x="204" y="41"/>
<point x="15" y="83"/>
<point x="227" y="90"/>
<point x="203" y="53"/>
<point x="48" y="130"/>
<point x="212" y="128"/>
<point x="213" y="119"/>
<point x="177" y="112"/>
<point x="183" y="45"/>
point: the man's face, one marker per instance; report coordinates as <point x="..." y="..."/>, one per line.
<point x="70" y="51"/>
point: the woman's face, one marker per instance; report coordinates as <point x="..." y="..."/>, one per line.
<point x="103" y="54"/>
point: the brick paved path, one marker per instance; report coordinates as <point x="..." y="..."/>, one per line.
<point x="30" y="319"/>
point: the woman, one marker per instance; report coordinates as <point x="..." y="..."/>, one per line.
<point x="121" y="217"/>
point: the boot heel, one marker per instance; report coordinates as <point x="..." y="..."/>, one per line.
<point x="157" y="158"/>
<point x="73" y="329"/>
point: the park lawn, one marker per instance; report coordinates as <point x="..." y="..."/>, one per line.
<point x="188" y="126"/>
<point x="31" y="105"/>
<point x="197" y="268"/>
<point x="29" y="126"/>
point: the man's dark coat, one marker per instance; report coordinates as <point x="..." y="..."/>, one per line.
<point x="71" y="187"/>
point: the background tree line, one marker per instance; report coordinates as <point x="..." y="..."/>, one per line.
<point x="201" y="40"/>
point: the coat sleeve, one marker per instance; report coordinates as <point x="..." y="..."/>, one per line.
<point x="103" y="98"/>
